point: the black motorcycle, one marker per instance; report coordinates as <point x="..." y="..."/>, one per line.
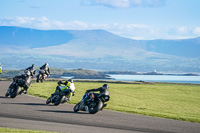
<point x="41" y="76"/>
<point x="92" y="103"/>
<point x="19" y="82"/>
<point x="60" y="97"/>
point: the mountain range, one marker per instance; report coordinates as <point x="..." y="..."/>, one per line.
<point x="95" y="49"/>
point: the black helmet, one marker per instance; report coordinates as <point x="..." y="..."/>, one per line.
<point x="71" y="80"/>
<point x="105" y="86"/>
<point x="33" y="65"/>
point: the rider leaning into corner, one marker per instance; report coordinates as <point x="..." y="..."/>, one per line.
<point x="46" y="69"/>
<point x="103" y="91"/>
<point x="69" y="86"/>
<point x="30" y="71"/>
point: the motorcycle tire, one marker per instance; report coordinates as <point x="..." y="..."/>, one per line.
<point x="57" y="102"/>
<point x="15" y="92"/>
<point x="48" y="100"/>
<point x="7" y="94"/>
<point x="38" y="78"/>
<point x="64" y="99"/>
<point x="96" y="108"/>
<point x="42" y="80"/>
<point x="76" y="107"/>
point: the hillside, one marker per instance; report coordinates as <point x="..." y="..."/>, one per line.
<point x="31" y="38"/>
<point x="95" y="49"/>
<point x="97" y="40"/>
<point x="58" y="73"/>
<point x="183" y="48"/>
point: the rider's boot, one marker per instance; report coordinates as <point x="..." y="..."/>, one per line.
<point x="86" y="108"/>
<point x="25" y="90"/>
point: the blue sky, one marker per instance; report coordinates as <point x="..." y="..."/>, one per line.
<point x="136" y="19"/>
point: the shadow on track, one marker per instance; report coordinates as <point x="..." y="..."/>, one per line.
<point x="3" y="97"/>
<point x="35" y="104"/>
<point x="57" y="111"/>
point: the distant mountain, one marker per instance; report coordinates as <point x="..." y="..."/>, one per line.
<point x="32" y="38"/>
<point x="184" y="47"/>
<point x="95" y="49"/>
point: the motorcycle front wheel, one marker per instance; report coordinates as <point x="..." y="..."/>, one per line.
<point x="96" y="108"/>
<point x="57" y="102"/>
<point x="14" y="92"/>
<point x="7" y="94"/>
<point x="76" y="107"/>
<point x="48" y="100"/>
<point x="38" y="78"/>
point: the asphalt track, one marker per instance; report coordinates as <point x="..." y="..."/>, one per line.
<point x="28" y="112"/>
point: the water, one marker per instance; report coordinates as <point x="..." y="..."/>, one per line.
<point x="157" y="78"/>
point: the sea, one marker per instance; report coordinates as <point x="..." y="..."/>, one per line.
<point x="157" y="78"/>
<point x="152" y="78"/>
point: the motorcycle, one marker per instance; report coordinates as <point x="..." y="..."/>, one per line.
<point x="92" y="103"/>
<point x="16" y="87"/>
<point x="61" y="97"/>
<point x="41" y="76"/>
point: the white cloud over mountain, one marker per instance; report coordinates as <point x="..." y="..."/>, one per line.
<point x="126" y="3"/>
<point x="196" y="31"/>
<point x="129" y="30"/>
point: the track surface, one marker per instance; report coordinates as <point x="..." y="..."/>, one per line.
<point x="28" y="112"/>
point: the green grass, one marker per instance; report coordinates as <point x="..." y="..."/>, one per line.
<point x="12" y="130"/>
<point x="174" y="101"/>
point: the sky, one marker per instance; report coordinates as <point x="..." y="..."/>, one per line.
<point x="135" y="19"/>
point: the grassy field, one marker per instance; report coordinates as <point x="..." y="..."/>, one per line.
<point x="12" y="130"/>
<point x="174" y="101"/>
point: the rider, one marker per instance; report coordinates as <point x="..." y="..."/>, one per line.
<point x="26" y="77"/>
<point x="69" y="86"/>
<point x="1" y="68"/>
<point x="103" y="91"/>
<point x="31" y="69"/>
<point x="29" y="73"/>
<point x="45" y="67"/>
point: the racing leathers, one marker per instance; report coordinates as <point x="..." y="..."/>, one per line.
<point x="69" y="87"/>
<point x="46" y="69"/>
<point x="101" y="90"/>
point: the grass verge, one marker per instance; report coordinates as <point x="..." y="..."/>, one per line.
<point x="173" y="101"/>
<point x="12" y="130"/>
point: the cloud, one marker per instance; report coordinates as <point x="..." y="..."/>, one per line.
<point x="183" y="30"/>
<point x="126" y="3"/>
<point x="42" y="23"/>
<point x="196" y="31"/>
<point x="130" y="30"/>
